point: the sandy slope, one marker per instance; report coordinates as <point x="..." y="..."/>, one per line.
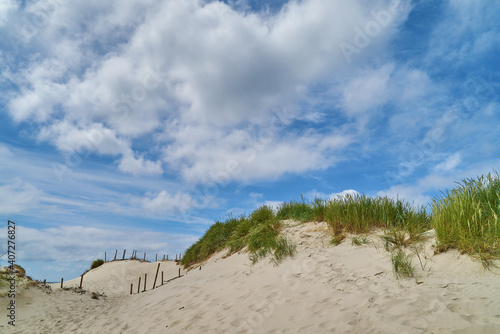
<point x="324" y="289"/>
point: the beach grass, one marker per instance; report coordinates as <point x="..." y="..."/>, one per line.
<point x="355" y="213"/>
<point x="465" y="218"/>
<point x="298" y="210"/>
<point x="402" y="265"/>
<point x="259" y="233"/>
<point x="96" y="263"/>
<point x="468" y="218"/>
<point x="217" y="238"/>
<point x="359" y="240"/>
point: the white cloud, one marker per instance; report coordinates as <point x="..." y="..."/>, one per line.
<point x="461" y="34"/>
<point x="81" y="243"/>
<point x="139" y="166"/>
<point x="315" y="194"/>
<point x="437" y="181"/>
<point x="86" y="192"/>
<point x="164" y="203"/>
<point x="450" y="163"/>
<point x="6" y="7"/>
<point x="414" y="194"/>
<point x="223" y="156"/>
<point x="343" y="193"/>
<point x="94" y="138"/>
<point x="5" y="152"/>
<point x="49" y="253"/>
<point x="149" y="68"/>
<point x="18" y="196"/>
<point x="236" y="212"/>
<point x="367" y="91"/>
<point x="70" y="138"/>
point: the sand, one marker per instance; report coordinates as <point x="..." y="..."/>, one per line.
<point x="323" y="289"/>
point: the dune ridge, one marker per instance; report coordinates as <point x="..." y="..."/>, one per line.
<point x="322" y="289"/>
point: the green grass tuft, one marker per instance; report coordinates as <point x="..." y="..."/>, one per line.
<point x="296" y="210"/>
<point x="96" y="263"/>
<point x="259" y="232"/>
<point x="402" y="265"/>
<point x="468" y="218"/>
<point x="219" y="236"/>
<point x="361" y="214"/>
<point x="337" y="239"/>
<point x="358" y="241"/>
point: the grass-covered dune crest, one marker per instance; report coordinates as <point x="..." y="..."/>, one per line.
<point x="259" y="233"/>
<point x="465" y="218"/>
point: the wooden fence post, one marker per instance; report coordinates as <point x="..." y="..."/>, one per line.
<point x="81" y="281"/>
<point x="139" y="285"/>
<point x="144" y="256"/>
<point x="116" y="252"/>
<point x="145" y="278"/>
<point x="104" y="256"/>
<point x="157" y="270"/>
<point x="61" y="283"/>
<point x="156" y="257"/>
<point x="123" y="257"/>
<point x="179" y="272"/>
<point x="162" y="277"/>
<point x="131" y="287"/>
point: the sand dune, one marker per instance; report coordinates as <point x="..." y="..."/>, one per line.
<point x="324" y="289"/>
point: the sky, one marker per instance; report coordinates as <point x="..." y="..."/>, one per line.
<point x="136" y="124"/>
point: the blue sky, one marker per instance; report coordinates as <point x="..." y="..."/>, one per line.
<point x="136" y="124"/>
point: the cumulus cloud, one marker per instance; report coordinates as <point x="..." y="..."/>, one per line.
<point x="94" y="137"/>
<point x="164" y="202"/>
<point x="139" y="166"/>
<point x="199" y="76"/>
<point x="206" y="155"/>
<point x="343" y="193"/>
<point x="315" y="194"/>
